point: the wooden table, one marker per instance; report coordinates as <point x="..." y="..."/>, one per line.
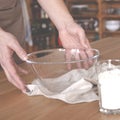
<point x="14" y="105"/>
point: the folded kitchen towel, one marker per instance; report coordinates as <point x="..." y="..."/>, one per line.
<point x="71" y="88"/>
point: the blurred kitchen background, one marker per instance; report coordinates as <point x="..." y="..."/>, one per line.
<point x="99" y="19"/>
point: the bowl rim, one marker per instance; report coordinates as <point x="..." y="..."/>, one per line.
<point x="60" y="62"/>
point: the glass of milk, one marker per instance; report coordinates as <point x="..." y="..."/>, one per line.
<point x="109" y="86"/>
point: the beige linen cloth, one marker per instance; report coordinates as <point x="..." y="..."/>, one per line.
<point x="71" y="87"/>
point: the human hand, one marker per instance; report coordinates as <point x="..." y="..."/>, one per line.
<point x="81" y="58"/>
<point x="73" y="36"/>
<point x="9" y="45"/>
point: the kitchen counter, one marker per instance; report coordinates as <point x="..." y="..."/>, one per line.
<point x="14" y="105"/>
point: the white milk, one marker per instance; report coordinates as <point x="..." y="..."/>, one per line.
<point x="110" y="89"/>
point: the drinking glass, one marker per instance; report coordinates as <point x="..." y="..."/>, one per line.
<point x="109" y="86"/>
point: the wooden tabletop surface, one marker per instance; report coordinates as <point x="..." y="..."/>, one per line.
<point x="14" y="105"/>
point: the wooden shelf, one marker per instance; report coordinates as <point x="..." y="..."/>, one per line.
<point x="111" y="16"/>
<point x="86" y="15"/>
<point x="91" y="31"/>
<point x="84" y="11"/>
<point x="111" y="1"/>
<point x="100" y="7"/>
<point x="109" y="13"/>
<point x="80" y="1"/>
<point x="109" y="32"/>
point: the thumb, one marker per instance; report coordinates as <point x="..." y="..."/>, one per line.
<point x="19" y="50"/>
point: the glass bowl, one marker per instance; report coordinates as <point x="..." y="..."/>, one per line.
<point x="54" y="63"/>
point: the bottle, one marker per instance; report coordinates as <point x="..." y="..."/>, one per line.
<point x="36" y="10"/>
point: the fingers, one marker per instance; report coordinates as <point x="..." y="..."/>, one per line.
<point x="88" y="44"/>
<point x="83" y="58"/>
<point x="19" y="50"/>
<point x="84" y="42"/>
<point x="68" y="58"/>
<point x="5" y="37"/>
<point x="75" y="53"/>
<point x="12" y="75"/>
<point x="18" y="68"/>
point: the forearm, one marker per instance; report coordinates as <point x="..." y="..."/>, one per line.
<point x="58" y="12"/>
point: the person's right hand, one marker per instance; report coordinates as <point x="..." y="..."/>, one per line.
<point x="9" y="45"/>
<point x="75" y="42"/>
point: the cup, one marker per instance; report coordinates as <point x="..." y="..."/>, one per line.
<point x="108" y="72"/>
